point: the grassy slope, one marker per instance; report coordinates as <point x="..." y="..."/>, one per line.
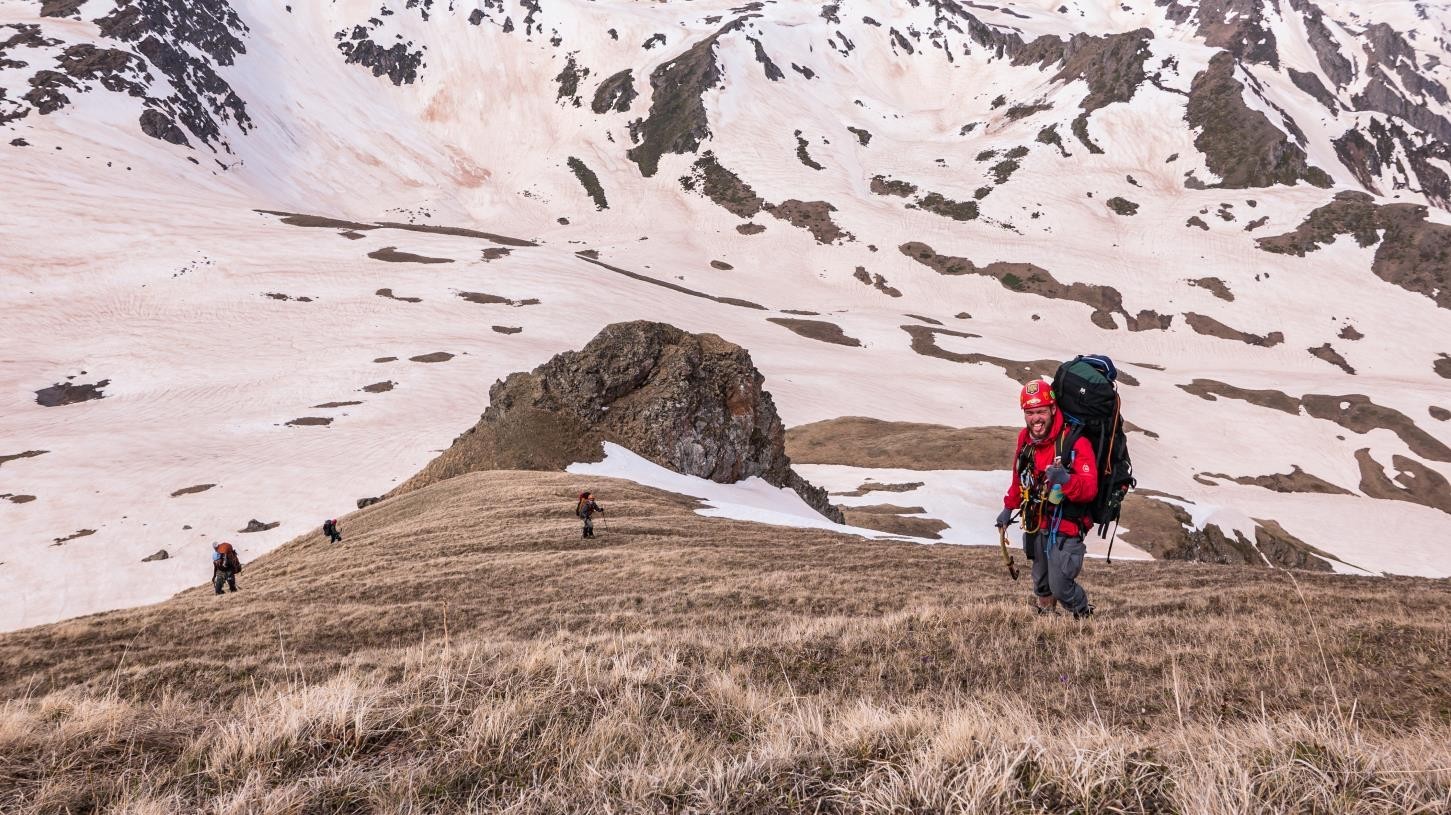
<point x="464" y="648"/>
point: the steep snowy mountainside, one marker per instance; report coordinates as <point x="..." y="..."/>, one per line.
<point x="263" y="259"/>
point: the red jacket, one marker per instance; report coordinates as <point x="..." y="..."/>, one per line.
<point x="1082" y="486"/>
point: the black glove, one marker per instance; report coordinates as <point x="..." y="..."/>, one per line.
<point x="1004" y="518"/>
<point x="1057" y="474"/>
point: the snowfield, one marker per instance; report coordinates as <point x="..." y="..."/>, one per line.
<point x="297" y="365"/>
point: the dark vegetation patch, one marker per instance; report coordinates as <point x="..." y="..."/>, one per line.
<point x="388" y="293"/>
<point x="812" y="216"/>
<point x="876" y="281"/>
<point x="1297" y="480"/>
<point x="1256" y="223"/>
<point x="884" y="185"/>
<point x="1214" y="286"/>
<point x="1017" y="112"/>
<point x="1167" y="532"/>
<point x="590" y="181"/>
<point x="863" y="137"/>
<point x="1049" y="135"/>
<point x="255" y="525"/>
<point x="677" y="121"/>
<point x="750" y="229"/>
<point x="801" y="312"/>
<point x="1211" y="327"/>
<point x="17" y="499"/>
<point x="1349" y="333"/>
<point x="436" y="356"/>
<point x="721" y="265"/>
<point x="82" y="533"/>
<point x="392" y="255"/>
<point x="1439" y="413"/>
<point x="1195" y="220"/>
<point x="723" y="187"/>
<point x="1003" y="170"/>
<point x="615" y="93"/>
<point x="1413" y="481"/>
<point x="1441" y="365"/>
<point x="937" y="204"/>
<point x="729" y="301"/>
<point x="928" y="320"/>
<point x="819" y="330"/>
<point x="1026" y="278"/>
<point x="386" y="359"/>
<point x="1413" y="252"/>
<point x="1331" y="356"/>
<point x="494" y="253"/>
<point x="1239" y="143"/>
<point x="277" y="295"/>
<point x="485" y="299"/>
<point x="310" y="421"/>
<point x="506" y="329"/>
<point x="192" y="490"/>
<point x="894" y="520"/>
<point x="1354" y="412"/>
<point x="1122" y="206"/>
<point x="803" y="156"/>
<point x="338" y="404"/>
<point x="379" y="387"/>
<point x="66" y="393"/>
<point x="924" y="342"/>
<point x="568" y="80"/>
<point x="316" y="221"/>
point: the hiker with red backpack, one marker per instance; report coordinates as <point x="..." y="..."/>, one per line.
<point x="1071" y="470"/>
<point x="330" y="528"/>
<point x="225" y="566"/>
<point x="586" y="508"/>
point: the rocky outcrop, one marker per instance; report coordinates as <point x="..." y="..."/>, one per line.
<point x="690" y="402"/>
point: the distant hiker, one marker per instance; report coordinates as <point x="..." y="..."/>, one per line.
<point x="330" y="528"/>
<point x="586" y="508"/>
<point x="1054" y="488"/>
<point x="225" y="566"/>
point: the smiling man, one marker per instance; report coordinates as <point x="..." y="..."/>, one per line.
<point x="1054" y="488"/>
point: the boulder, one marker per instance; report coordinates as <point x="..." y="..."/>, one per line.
<point x="161" y="554"/>
<point x="690" y="402"/>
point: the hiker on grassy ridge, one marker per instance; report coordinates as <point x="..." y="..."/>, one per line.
<point x="1054" y="489"/>
<point x="225" y="566"/>
<point x="330" y="528"/>
<point x="586" y="508"/>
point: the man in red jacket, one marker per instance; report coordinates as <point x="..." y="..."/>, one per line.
<point x="1054" y="488"/>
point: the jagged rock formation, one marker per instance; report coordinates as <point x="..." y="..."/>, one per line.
<point x="690" y="402"/>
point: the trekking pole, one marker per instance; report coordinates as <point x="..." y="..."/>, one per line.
<point x="1007" y="558"/>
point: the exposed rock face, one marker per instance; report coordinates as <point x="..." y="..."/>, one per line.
<point x="689" y="402"/>
<point x="160" y="554"/>
<point x="1239" y="143"/>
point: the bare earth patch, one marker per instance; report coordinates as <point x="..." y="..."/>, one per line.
<point x="72" y="536"/>
<point x="812" y="216"/>
<point x="392" y="255"/>
<point x="1214" y="286"/>
<point x="875" y="486"/>
<point x="17" y="499"/>
<point x="730" y="301"/>
<point x="506" y="329"/>
<point x="1413" y="481"/>
<point x="192" y="490"/>
<point x="379" y="387"/>
<point x="819" y="330"/>
<point x="338" y="404"/>
<point x="495" y="300"/>
<point x="310" y="421"/>
<point x="436" y="356"/>
<point x="1297" y="480"/>
<point x="388" y="293"/>
<point x="1330" y="355"/>
<point x="18" y="456"/>
<point x="924" y="342"/>
<point x="895" y="520"/>
<point x="1211" y="327"/>
<point x="858" y="441"/>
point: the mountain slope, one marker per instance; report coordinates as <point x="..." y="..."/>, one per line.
<point x="463" y="648"/>
<point x="901" y="210"/>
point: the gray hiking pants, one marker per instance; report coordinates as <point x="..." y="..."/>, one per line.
<point x="1055" y="573"/>
<point x="222" y="577"/>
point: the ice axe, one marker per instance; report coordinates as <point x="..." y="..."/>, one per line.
<point x="1007" y="558"/>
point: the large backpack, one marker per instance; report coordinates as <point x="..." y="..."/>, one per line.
<point x="1088" y="399"/>
<point x="230" y="562"/>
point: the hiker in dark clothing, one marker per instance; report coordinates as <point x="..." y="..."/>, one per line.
<point x="586" y="508"/>
<point x="330" y="528"/>
<point x="225" y="567"/>
<point x="1054" y="488"/>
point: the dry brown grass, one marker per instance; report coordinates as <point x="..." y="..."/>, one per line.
<point x="464" y="650"/>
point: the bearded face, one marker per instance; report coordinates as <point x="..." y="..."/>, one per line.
<point x="1038" y="420"/>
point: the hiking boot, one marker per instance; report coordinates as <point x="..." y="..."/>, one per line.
<point x="1083" y="613"/>
<point x="1044" y="605"/>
